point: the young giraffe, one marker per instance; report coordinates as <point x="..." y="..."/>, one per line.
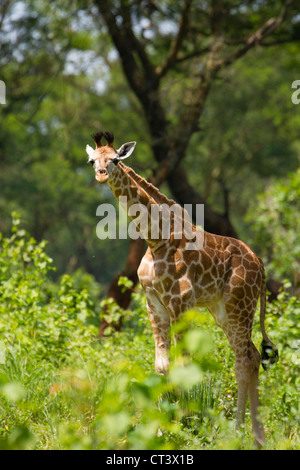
<point x="220" y="273"/>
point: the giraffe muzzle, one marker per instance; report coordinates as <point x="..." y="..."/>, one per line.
<point x="102" y="175"/>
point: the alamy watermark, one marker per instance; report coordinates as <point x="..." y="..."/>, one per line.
<point x="296" y="95"/>
<point x="159" y="222"/>
<point x="2" y="92"/>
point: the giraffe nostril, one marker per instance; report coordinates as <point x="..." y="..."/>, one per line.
<point x="102" y="171"/>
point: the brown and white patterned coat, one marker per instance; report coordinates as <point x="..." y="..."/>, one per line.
<point x="220" y="273"/>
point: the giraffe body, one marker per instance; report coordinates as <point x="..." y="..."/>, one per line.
<point x="220" y="273"/>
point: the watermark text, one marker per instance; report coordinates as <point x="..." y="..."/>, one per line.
<point x="153" y="222"/>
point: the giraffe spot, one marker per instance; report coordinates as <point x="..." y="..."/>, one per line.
<point x="132" y="193"/>
<point x="207" y="279"/>
<point x="157" y="319"/>
<point x="167" y="283"/>
<point x="181" y="269"/>
<point x="236" y="281"/>
<point x="190" y="256"/>
<point x="192" y="270"/>
<point x="205" y="261"/>
<point x="251" y="277"/>
<point x="124" y="181"/>
<point x="160" y="268"/>
<point x="117" y="182"/>
<point x="166" y="299"/>
<point x="184" y="285"/>
<point x="118" y="193"/>
<point x="236" y="261"/>
<point x="159" y="287"/>
<point x="175" y="289"/>
<point x="187" y="295"/>
<point x="175" y="301"/>
<point x="177" y="257"/>
<point x="249" y="263"/>
<point x="241" y="305"/>
<point x="240" y="271"/>
<point x="172" y="270"/>
<point x="238" y="292"/>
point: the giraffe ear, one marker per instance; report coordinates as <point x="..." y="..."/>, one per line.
<point x="126" y="150"/>
<point x="89" y="150"/>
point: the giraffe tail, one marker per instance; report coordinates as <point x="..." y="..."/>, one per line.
<point x="269" y="352"/>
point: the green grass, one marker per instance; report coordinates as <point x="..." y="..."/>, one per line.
<point x="61" y="387"/>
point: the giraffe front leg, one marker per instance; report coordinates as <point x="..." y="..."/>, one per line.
<point x="160" y="322"/>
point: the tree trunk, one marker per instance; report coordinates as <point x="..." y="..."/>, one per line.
<point x="184" y="193"/>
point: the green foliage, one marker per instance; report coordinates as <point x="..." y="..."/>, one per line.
<point x="38" y="317"/>
<point x="280" y="386"/>
<point x="275" y="216"/>
<point x="61" y="387"/>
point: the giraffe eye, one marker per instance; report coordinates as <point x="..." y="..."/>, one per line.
<point x="91" y="162"/>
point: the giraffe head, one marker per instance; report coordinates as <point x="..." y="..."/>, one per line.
<point x="105" y="158"/>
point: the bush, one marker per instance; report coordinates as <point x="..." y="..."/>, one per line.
<point x="275" y="217"/>
<point x="62" y="387"/>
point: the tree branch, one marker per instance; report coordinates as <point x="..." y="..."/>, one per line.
<point x="193" y="54"/>
<point x="4" y="9"/>
<point x="280" y="41"/>
<point x="256" y="38"/>
<point x="118" y="34"/>
<point x="136" y="45"/>
<point x="176" y="44"/>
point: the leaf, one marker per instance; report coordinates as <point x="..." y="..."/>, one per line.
<point x="198" y="341"/>
<point x="21" y="438"/>
<point x="186" y="377"/>
<point x="13" y="391"/>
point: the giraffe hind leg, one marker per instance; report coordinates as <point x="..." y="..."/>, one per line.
<point x="247" y="369"/>
<point x="247" y="361"/>
<point x="237" y="325"/>
<point x="258" y="430"/>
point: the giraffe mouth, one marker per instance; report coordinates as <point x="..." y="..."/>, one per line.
<point x="102" y="176"/>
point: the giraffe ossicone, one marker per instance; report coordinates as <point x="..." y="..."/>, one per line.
<point x="219" y="272"/>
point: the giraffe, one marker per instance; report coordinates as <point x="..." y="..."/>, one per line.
<point x="220" y="273"/>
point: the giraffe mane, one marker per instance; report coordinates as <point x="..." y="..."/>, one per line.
<point x="152" y="190"/>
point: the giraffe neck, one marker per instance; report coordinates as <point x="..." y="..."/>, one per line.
<point x="130" y="188"/>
